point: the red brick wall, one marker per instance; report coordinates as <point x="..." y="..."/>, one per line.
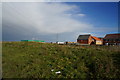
<point x="82" y="41"/>
<point x="111" y="42"/>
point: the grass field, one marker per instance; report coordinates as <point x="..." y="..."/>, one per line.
<point x="44" y="60"/>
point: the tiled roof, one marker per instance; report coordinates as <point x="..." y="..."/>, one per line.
<point x="112" y="36"/>
<point x="96" y="38"/>
<point x="83" y="37"/>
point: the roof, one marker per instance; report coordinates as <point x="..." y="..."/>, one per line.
<point x="83" y="37"/>
<point x="112" y="36"/>
<point x="96" y="38"/>
<point x="100" y="37"/>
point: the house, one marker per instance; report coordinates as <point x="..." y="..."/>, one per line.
<point x="89" y="40"/>
<point x="112" y="39"/>
<point x="84" y="39"/>
<point x="97" y="41"/>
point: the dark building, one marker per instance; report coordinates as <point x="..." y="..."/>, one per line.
<point x="112" y="39"/>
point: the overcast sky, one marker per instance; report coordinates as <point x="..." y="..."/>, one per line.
<point x="43" y="20"/>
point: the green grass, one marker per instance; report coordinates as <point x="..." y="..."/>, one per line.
<point x="36" y="60"/>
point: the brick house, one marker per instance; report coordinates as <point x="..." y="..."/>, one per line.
<point x="89" y="40"/>
<point x="112" y="39"/>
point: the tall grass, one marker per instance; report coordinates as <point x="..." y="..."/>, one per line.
<point x="43" y="60"/>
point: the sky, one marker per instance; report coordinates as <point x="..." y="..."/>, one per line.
<point x="67" y="20"/>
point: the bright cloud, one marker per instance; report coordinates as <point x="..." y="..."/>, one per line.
<point x="43" y="17"/>
<point x="36" y="19"/>
<point x="82" y="15"/>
